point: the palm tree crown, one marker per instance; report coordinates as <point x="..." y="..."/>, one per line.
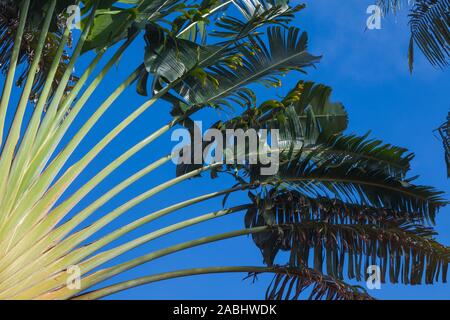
<point x="337" y="204"/>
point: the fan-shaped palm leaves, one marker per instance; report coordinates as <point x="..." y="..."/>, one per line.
<point x="344" y="198"/>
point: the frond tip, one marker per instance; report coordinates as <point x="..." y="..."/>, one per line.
<point x="429" y="21"/>
<point x="290" y="283"/>
<point x="430" y="30"/>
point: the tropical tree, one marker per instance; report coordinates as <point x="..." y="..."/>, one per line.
<point x="337" y="203"/>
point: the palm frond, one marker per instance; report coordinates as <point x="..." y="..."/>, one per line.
<point x="256" y="13"/>
<point x="304" y="113"/>
<point x="307" y="114"/>
<point x="370" y="153"/>
<point x="444" y="132"/>
<point x="301" y="117"/>
<point x="113" y="24"/>
<point x="171" y="53"/>
<point x="393" y="5"/>
<point x="307" y="119"/>
<point x="259" y="63"/>
<point x="360" y="184"/>
<point x="393" y="245"/>
<point x="287" y="206"/>
<point x="430" y="30"/>
<point x="290" y="283"/>
<point x="168" y="58"/>
<point x="299" y="279"/>
<point x="429" y="21"/>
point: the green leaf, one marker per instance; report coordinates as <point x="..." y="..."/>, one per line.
<point x="110" y="26"/>
<point x="289" y="283"/>
<point x="259" y="63"/>
<point x="430" y="25"/>
<point x="366" y="242"/>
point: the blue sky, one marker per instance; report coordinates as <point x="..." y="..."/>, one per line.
<point x="368" y="73"/>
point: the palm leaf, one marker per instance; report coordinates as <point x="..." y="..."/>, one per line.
<point x="306" y="118"/>
<point x="260" y="63"/>
<point x="393" y="5"/>
<point x="290" y="283"/>
<point x="300" y="118"/>
<point x="299" y="279"/>
<point x="430" y="30"/>
<point x="430" y="24"/>
<point x="370" y="153"/>
<point x="444" y="132"/>
<point x="392" y="244"/>
<point x="169" y="54"/>
<point x="255" y="13"/>
<point x="360" y="184"/>
<point x="113" y="23"/>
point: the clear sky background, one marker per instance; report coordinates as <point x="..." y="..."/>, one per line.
<point x="368" y="72"/>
